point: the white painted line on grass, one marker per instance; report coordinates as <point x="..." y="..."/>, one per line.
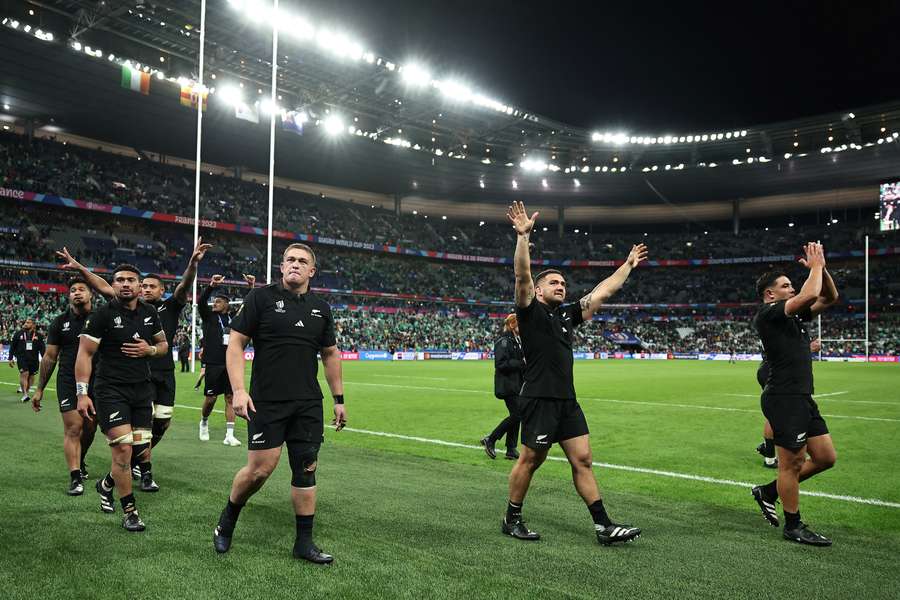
<point x="614" y="401"/>
<point x="673" y="474"/>
<point x="408" y="377"/>
<point x="642" y="470"/>
<point x="818" y="396"/>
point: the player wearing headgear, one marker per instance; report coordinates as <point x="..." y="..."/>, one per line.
<point x="289" y="326"/>
<point x="550" y="413"/>
<point x="62" y="348"/>
<point x="798" y="427"/>
<point x="126" y="333"/>
<point x="26" y="350"/>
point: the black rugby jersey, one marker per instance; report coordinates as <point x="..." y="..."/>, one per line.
<point x="547" y="335"/>
<point x="785" y="339"/>
<point x="114" y="325"/>
<point x="287" y="331"/>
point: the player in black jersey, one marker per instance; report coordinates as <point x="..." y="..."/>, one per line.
<point x="62" y="347"/>
<point x="25" y="350"/>
<point x="126" y="333"/>
<point x="767" y="447"/>
<point x="289" y="326"/>
<point x="787" y="400"/>
<point x="216" y="331"/>
<point x="550" y="413"/>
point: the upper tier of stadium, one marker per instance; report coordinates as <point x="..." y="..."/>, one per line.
<point x="436" y="148"/>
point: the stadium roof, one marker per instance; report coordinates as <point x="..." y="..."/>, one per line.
<point x="414" y="134"/>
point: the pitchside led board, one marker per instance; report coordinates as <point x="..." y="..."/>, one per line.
<point x="890" y="206"/>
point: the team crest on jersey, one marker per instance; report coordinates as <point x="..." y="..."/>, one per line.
<point x="118" y="322"/>
<point x="279" y="306"/>
<point x="65" y="326"/>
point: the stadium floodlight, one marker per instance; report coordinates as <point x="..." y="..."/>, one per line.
<point x="5" y="106"/>
<point x="455" y="90"/>
<point x="481" y="183"/>
<point x="231" y="95"/>
<point x="544" y="183"/>
<point x="515" y="184"/>
<point x="533" y="165"/>
<point x="76" y="45"/>
<point x="333" y="125"/>
<point x="414" y="74"/>
<point x="791" y="224"/>
<point x="267" y="108"/>
<point x="576" y="182"/>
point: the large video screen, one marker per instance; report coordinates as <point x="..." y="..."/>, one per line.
<point x="890" y="206"/>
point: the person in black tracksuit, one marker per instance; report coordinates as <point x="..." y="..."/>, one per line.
<point x="509" y="364"/>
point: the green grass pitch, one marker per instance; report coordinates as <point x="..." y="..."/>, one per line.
<point x="408" y="516"/>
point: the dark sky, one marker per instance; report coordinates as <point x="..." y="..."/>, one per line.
<point x="655" y="66"/>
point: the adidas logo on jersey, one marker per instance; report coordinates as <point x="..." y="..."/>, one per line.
<point x="299" y="324"/>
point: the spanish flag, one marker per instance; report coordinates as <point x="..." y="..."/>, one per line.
<point x="190" y="95"/>
<point x="134" y="80"/>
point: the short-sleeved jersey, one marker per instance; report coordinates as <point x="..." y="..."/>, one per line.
<point x="113" y="325"/>
<point x="26" y="346"/>
<point x="64" y="332"/>
<point x="547" y="335"/>
<point x="216" y="326"/>
<point x="169" y="311"/>
<point x="786" y="342"/>
<point x="287" y="331"/>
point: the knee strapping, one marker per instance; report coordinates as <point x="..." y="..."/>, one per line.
<point x="123" y="440"/>
<point x="304" y="459"/>
<point x="162" y="412"/>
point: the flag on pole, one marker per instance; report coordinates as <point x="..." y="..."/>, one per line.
<point x="293" y="121"/>
<point x="247" y="112"/>
<point x="134" y="80"/>
<point x="191" y="94"/>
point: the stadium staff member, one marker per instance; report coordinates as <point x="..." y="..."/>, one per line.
<point x="126" y="333"/>
<point x="550" y="412"/>
<point x="216" y="331"/>
<point x="62" y="348"/>
<point x="26" y="349"/>
<point x="288" y="326"/>
<point x="787" y="400"/>
<point x="509" y="363"/>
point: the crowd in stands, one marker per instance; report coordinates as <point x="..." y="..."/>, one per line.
<point x="403" y="327"/>
<point x="32" y="233"/>
<point x="50" y="167"/>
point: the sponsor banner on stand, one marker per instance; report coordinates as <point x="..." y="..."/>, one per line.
<point x="436" y="355"/>
<point x="349" y="355"/>
<point x="404" y="356"/>
<point x="374" y="355"/>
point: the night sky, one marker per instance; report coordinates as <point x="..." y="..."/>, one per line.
<point x="645" y="66"/>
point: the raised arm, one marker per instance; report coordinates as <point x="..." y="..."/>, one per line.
<point x="828" y="296"/>
<point x="604" y="290"/>
<point x="812" y="289"/>
<point x="187" y="279"/>
<point x="202" y="302"/>
<point x="95" y="281"/>
<point x="522" y="258"/>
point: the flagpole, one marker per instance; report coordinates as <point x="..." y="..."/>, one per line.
<point x="273" y="106"/>
<point x="201" y="89"/>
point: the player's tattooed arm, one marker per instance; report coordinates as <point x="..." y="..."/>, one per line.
<point x="604" y="290"/>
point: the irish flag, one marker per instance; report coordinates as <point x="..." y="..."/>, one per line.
<point x="134" y="80"/>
